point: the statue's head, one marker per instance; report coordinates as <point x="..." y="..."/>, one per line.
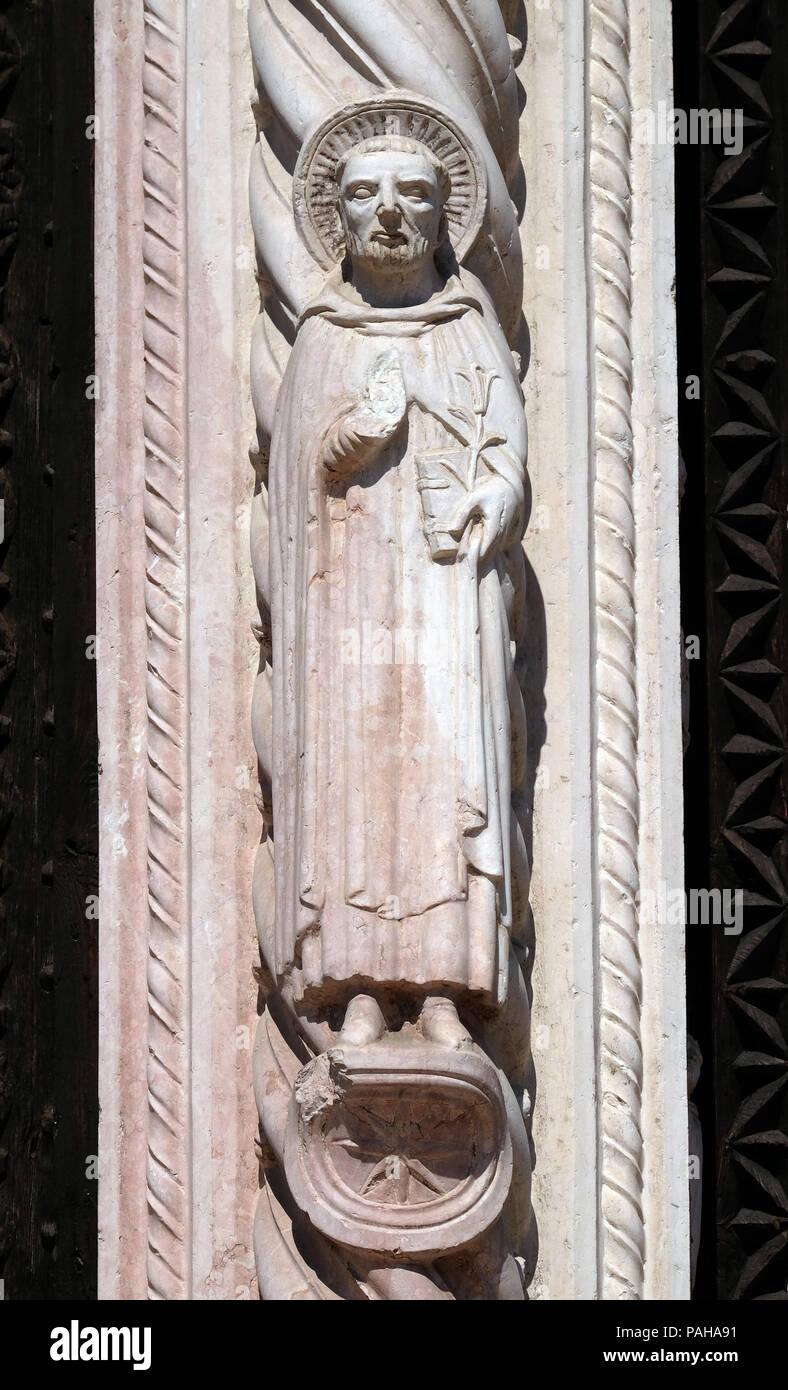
<point x="389" y="181"/>
<point x="392" y="192"/>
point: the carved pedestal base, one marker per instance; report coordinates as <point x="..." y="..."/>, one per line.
<point x="401" y="1148"/>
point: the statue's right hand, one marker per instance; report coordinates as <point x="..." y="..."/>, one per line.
<point x="385" y="398"/>
<point x="365" y="428"/>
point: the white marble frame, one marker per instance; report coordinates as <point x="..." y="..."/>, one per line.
<point x="177" y="1008"/>
<point x="562" y="131"/>
<point x="194" y="1240"/>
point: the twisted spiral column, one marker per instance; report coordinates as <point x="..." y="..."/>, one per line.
<point x="166" y="614"/>
<point x="309" y="58"/>
<point x="616" y="718"/>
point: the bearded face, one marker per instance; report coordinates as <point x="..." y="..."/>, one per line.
<point x="391" y="206"/>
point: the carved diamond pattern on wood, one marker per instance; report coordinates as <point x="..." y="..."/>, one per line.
<point x="746" y="497"/>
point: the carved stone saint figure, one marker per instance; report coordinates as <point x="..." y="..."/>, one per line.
<point x="396" y="496"/>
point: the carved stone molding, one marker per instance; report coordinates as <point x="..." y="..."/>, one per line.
<point x="176" y="776"/>
<point x="616" y="736"/>
<point x="607" y="815"/>
<point x="166" y="600"/>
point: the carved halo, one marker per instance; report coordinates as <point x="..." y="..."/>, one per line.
<point x="389" y="113"/>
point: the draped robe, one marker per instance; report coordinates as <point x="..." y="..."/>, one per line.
<point x="395" y="844"/>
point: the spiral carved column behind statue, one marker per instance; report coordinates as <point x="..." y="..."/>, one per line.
<point x="621" y="1061"/>
<point x="361" y="984"/>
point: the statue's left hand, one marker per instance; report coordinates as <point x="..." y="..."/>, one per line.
<point x="495" y="505"/>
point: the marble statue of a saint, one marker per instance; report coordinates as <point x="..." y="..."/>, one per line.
<point x="396" y="499"/>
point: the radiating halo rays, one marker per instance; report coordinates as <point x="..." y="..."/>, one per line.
<point x="400" y="114"/>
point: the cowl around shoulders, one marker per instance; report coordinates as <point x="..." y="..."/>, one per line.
<point x="335" y="302"/>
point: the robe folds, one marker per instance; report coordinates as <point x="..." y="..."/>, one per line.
<point x="395" y="843"/>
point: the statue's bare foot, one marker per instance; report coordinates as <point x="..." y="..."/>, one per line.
<point x="363" y="1023"/>
<point x="440" y="1023"/>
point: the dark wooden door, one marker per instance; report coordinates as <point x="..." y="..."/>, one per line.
<point x="48" y="758"/>
<point x="733" y="334"/>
